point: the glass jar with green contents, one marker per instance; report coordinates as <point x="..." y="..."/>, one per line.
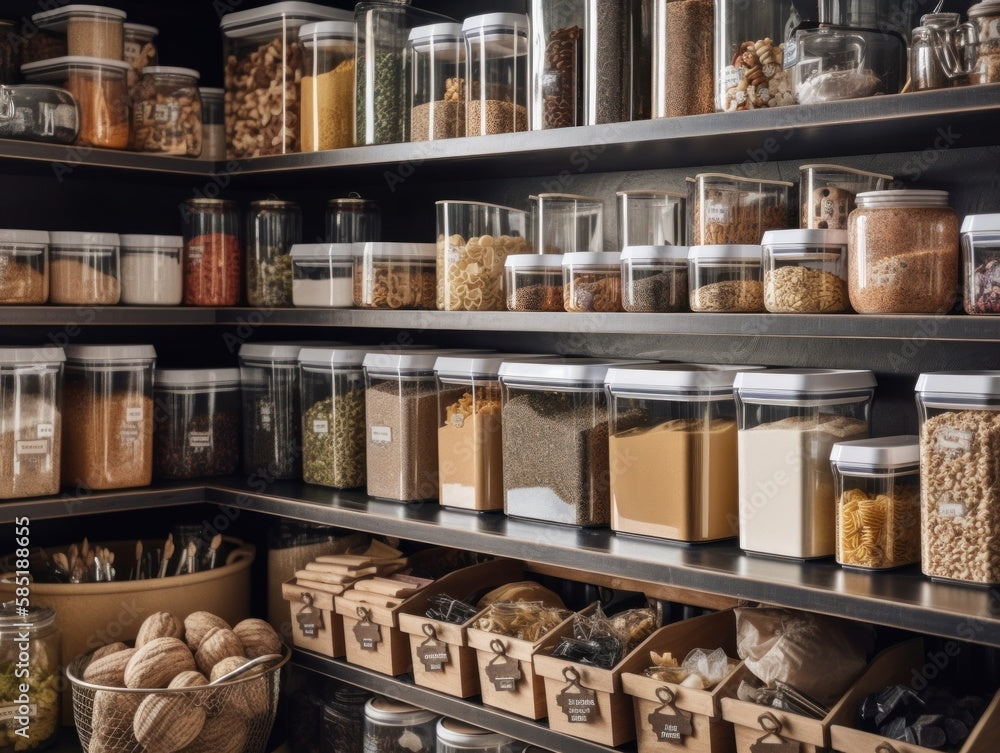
<point x="274" y="227"/>
<point x="29" y="703"/>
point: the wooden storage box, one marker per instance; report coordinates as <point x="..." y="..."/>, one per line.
<point x="372" y="637"/>
<point x="654" y="701"/>
<point x="315" y="624"/>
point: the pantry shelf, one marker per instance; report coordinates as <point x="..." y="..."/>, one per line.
<point x="66" y="158"/>
<point x="73" y="504"/>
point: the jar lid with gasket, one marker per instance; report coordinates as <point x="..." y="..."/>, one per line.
<point x="454" y="736"/>
<point x="902" y="198"/>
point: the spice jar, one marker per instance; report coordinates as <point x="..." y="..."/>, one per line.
<point x="749" y="56"/>
<point x="394" y="727"/>
<point x="878" y="502"/>
<point x="789" y="420"/>
<point x="533" y="282"/>
<point x="151" y="270"/>
<point x="213" y="123"/>
<point x="31" y="724"/>
<point x="827" y="193"/>
<point x="564" y="223"/>
<point x="327" y="85"/>
<point x="333" y="416"/>
<point x="959" y="415"/>
<point x="903" y="253"/>
<point x="352" y="220"/>
<point x="273" y="227"/>
<point x="140" y="49"/>
<point x="981" y="260"/>
<point x="650" y="218"/>
<point x="24" y="266"/>
<point x="166" y="111"/>
<point x="91" y="30"/>
<point x="730" y="209"/>
<point x="211" y="252"/>
<point x="497" y="59"/>
<point x="84" y="268"/>
<point x="654" y="278"/>
<point x="454" y="736"/>
<point x="395" y="276"/>
<point x="725" y="279"/>
<point x="985" y="16"/>
<point x="682" y="58"/>
<point x="30" y="426"/>
<point x="805" y="271"/>
<point x="322" y="274"/>
<point x="108" y="416"/>
<point x="592" y="281"/>
<point x="473" y="243"/>
<point x="197" y="431"/>
<point x="437" y="82"/>
<point x="344" y="721"/>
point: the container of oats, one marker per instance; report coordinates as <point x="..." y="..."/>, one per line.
<point x="84" y="268"/>
<point x="395" y="276"/>
<point x="805" y="271"/>
<point x="533" y="282"/>
<point x="725" y="279"/>
<point x="959" y="413"/>
<point x="981" y="263"/>
<point x="826" y="193"/>
<point x="732" y="209"/>
<point x="655" y="278"/>
<point x="592" y="281"/>
<point x="24" y="266"/>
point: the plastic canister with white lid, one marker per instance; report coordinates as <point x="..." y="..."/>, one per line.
<point x="24" y="266"/>
<point x="84" y="268"/>
<point x="151" y="269"/>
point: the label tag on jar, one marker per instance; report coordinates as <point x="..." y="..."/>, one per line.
<point x="321" y="426"/>
<point x="133" y="414"/>
<point x="46" y="431"/>
<point x="381" y="435"/>
<point x="432" y="653"/>
<point x="717" y="213"/>
<point x="457" y="420"/>
<point x="200" y="439"/>
<point x="790" y="56"/>
<point x="128" y="432"/>
<point x="954" y="441"/>
<point x="33" y="447"/>
<point x="949" y="509"/>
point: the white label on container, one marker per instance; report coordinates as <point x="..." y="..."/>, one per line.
<point x="128" y="432"/>
<point x="457" y="420"/>
<point x="134" y="414"/>
<point x="717" y="213"/>
<point x="46" y="431"/>
<point x="381" y="435"/>
<point x="949" y="509"/>
<point x="321" y="426"/>
<point x="731" y="77"/>
<point x="954" y="441"/>
<point x="9" y="711"/>
<point x="200" y="439"/>
<point x="33" y="447"/>
<point x="194" y="252"/>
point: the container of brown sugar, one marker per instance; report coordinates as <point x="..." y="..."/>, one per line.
<point x="725" y="279"/>
<point x="592" y="281"/>
<point x="24" y="266"/>
<point x="732" y="209"/>
<point x="84" y="268"/>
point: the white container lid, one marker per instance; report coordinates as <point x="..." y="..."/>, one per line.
<point x="209" y="92"/>
<point x="968" y="384"/>
<point x="981" y="223"/>
<point x="141" y="242"/>
<point x="56" y="69"/>
<point x="275" y="16"/>
<point x="725" y="252"/>
<point x="805" y="237"/>
<point x="110" y="353"/>
<point x="196" y="377"/>
<point x="494" y="21"/>
<point x="842" y="169"/>
<point x="344" y="355"/>
<point x="612" y="258"/>
<point x="804" y="381"/>
<point x="740" y="179"/>
<point x="462" y="736"/>
<point x="11" y="237"/>
<point x="73" y="238"/>
<point x="464" y="367"/>
<point x="902" y="197"/>
<point x="324" y="251"/>
<point x="57" y="18"/>
<point x="17" y="356"/>
<point x="534" y="261"/>
<point x="675" y="378"/>
<point x="448" y="31"/>
<point x="389" y="712"/>
<point x="143" y="31"/>
<point x="328" y="30"/>
<point x="655" y="253"/>
<point x="279" y="351"/>
<point x="171" y="70"/>
<point x="559" y="370"/>
<point x="409" y="361"/>
<point x="416" y="250"/>
<point x="882" y="452"/>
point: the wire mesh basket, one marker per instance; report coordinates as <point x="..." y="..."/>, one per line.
<point x="230" y="717"/>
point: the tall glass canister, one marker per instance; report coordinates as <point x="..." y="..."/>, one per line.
<point x="436" y="56"/>
<point x="211" y="252"/>
<point x="497" y="73"/>
<point x="749" y="55"/>
<point x="353" y="220"/>
<point x="273" y="227"/>
<point x="327" y="87"/>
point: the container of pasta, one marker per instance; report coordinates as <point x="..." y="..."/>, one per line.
<point x="395" y="276"/>
<point x="878" y="501"/>
<point x="730" y="209"/>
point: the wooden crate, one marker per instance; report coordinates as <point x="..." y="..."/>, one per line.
<point x="372" y="637"/>
<point x="654" y="700"/>
<point x="315" y="624"/>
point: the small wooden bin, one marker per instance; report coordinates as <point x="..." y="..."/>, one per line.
<point x="372" y="637"/>
<point x="315" y="624"/>
<point x="655" y="701"/>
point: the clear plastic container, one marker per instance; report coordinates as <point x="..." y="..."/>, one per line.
<point x="38" y="112"/>
<point x="673" y="457"/>
<point x="166" y="112"/>
<point x="30" y="645"/>
<point x="805" y="271"/>
<point x="152" y="273"/>
<point x="43" y="45"/>
<point x="24" y="266"/>
<point x="592" y="281"/>
<point x="213" y="123"/>
<point x="327" y="85"/>
<point x="352" y="220"/>
<point x="749" y="55"/>
<point x="682" y="58"/>
<point x="564" y="223"/>
<point x="533" y="282"/>
<point x="197" y="431"/>
<point x="730" y="209"/>
<point x="826" y="194"/>
<point x="323" y="274"/>
<point x="654" y="278"/>
<point x="264" y="68"/>
<point x="99" y="87"/>
<point x="392" y="727"/>
<point x="395" y="276"/>
<point x="333" y="416"/>
<point x="878" y="502"/>
<point x="903" y="253"/>
<point x="651" y="218"/>
<point x="107" y="411"/>
<point x="30" y="421"/>
<point x="436" y="54"/>
<point x="959" y="416"/>
<point x="789" y="420"/>
<point x="497" y="94"/>
<point x="212" y="252"/>
<point x="555" y="439"/>
<point x="454" y="736"/>
<point x="981" y="261"/>
<point x="273" y="227"/>
<point x="473" y="243"/>
<point x="91" y="30"/>
<point x="725" y="279"/>
<point x="139" y="49"/>
<point x="84" y="268"/>
<point x="986" y="18"/>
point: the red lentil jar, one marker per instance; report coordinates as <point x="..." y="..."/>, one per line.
<point x="211" y="253"/>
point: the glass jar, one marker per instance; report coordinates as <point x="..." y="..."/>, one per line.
<point x="943" y="53"/>
<point x="213" y="123"/>
<point x="152" y="274"/>
<point x="533" y="282"/>
<point x="273" y="227"/>
<point x="592" y="281"/>
<point x="327" y="85"/>
<point x="33" y="635"/>
<point x="352" y="220"/>
<point x="655" y="278"/>
<point x="94" y="31"/>
<point x="344" y="721"/>
<point x="986" y="18"/>
<point x="394" y="727"/>
<point x="24" y="266"/>
<point x="789" y="420"/>
<point x="322" y="274"/>
<point x="497" y="58"/>
<point x="454" y="736"/>
<point x="140" y="49"/>
<point x="197" y="431"/>
<point x="38" y="112"/>
<point x="830" y="64"/>
<point x="731" y="209"/>
<point x="725" y="279"/>
<point x="826" y="194"/>
<point x="651" y="218"/>
<point x="395" y="276"/>
<point x="30" y="425"/>
<point x="682" y="58"/>
<point x="903" y="253"/>
<point x="108" y="416"/>
<point x="473" y="242"/>
<point x="565" y="223"/>
<point x="84" y="268"/>
<point x="981" y="261"/>
<point x="166" y="112"/>
<point x="805" y="271"/>
<point x="211" y="252"/>
<point x="748" y="36"/>
<point x="878" y="502"/>
<point x="437" y="82"/>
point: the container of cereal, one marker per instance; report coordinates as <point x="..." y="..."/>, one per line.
<point x="725" y="279"/>
<point x="30" y="421"/>
<point x="24" y="266"/>
<point x="395" y="276"/>
<point x="497" y="60"/>
<point x="211" y="252"/>
<point x="213" y="123"/>
<point x="139" y="49"/>
<point x="391" y="726"/>
<point x="91" y="30"/>
<point x="789" y="420"/>
<point x="108" y="416"/>
<point x="327" y="85"/>
<point x="533" y="282"/>
<point x="30" y="647"/>
<point x="273" y="227"/>
<point x="565" y="223"/>
<point x="352" y="219"/>
<point x="166" y="111"/>
<point x="682" y="58"/>
<point x="592" y="281"/>
<point x="981" y="262"/>
<point x="473" y="242"/>
<point x="436" y="55"/>
<point x="454" y="736"/>
<point x="730" y="209"/>
<point x="655" y="278"/>
<point x="152" y="274"/>
<point x="903" y="253"/>
<point x="651" y="218"/>
<point x="959" y="415"/>
<point x="197" y="429"/>
<point x="749" y="57"/>
<point x="805" y="271"/>
<point x="323" y="274"/>
<point x="826" y="194"/>
<point x="84" y="268"/>
<point x="878" y="502"/>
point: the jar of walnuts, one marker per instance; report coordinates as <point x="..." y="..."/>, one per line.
<point x="166" y="111"/>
